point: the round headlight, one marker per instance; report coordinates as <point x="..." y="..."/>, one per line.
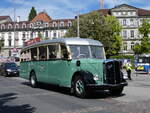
<point x="9" y="70"/>
<point x="95" y="77"/>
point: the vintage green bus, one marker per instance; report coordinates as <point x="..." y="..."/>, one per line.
<point x="77" y="63"/>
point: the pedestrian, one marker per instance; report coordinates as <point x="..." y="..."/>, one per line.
<point x="128" y="69"/>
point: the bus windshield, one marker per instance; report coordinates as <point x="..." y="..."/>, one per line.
<point x="84" y="51"/>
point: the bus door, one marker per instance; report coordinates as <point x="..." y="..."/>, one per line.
<point x="42" y="65"/>
<point x="56" y="66"/>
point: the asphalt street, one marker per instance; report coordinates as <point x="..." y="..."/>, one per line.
<point x="16" y="96"/>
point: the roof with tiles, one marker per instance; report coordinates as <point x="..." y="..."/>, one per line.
<point x="143" y="12"/>
<point x="42" y="16"/>
<point x="4" y="17"/>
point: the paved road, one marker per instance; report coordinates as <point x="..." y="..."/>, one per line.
<point x="16" y="96"/>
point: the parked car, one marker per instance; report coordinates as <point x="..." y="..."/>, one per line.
<point x="9" y="69"/>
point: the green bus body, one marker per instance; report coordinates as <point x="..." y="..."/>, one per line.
<point x="80" y="65"/>
<point x="60" y="72"/>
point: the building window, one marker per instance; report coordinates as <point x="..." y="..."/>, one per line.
<point x="132" y="33"/>
<point x="61" y="24"/>
<point x="46" y="25"/>
<point x="124" y="33"/>
<point x="125" y="46"/>
<point x="9" y="26"/>
<point x="54" y="24"/>
<point x="124" y="22"/>
<point x="9" y="42"/>
<point x="31" y="35"/>
<point x="69" y="24"/>
<point x="3" y="26"/>
<point x="16" y="26"/>
<point x="31" y="25"/>
<point x="131" y="22"/>
<point x="23" y="35"/>
<point x="46" y="34"/>
<point x="24" y="26"/>
<point x="55" y="34"/>
<point x="132" y="45"/>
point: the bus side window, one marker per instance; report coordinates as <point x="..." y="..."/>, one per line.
<point x="34" y="54"/>
<point x="53" y="51"/>
<point x="64" y="52"/>
<point x="43" y="53"/>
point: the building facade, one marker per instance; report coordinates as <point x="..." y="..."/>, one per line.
<point x="15" y="34"/>
<point x="131" y="19"/>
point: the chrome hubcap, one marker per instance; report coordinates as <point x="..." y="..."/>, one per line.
<point x="79" y="86"/>
<point x="32" y="80"/>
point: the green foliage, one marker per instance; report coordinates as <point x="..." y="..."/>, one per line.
<point x="122" y="57"/>
<point x="145" y="45"/>
<point x="32" y="14"/>
<point x="106" y="29"/>
<point x="137" y="49"/>
<point x="144" y="30"/>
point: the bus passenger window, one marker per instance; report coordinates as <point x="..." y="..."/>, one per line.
<point x="34" y="54"/>
<point x="64" y="53"/>
<point x="43" y="53"/>
<point x="53" y="50"/>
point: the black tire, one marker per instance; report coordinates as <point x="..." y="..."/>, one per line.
<point x="79" y="87"/>
<point x="33" y="80"/>
<point x="116" y="92"/>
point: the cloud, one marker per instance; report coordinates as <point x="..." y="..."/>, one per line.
<point x="136" y="3"/>
<point x="64" y="8"/>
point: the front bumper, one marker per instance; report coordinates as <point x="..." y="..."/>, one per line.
<point x="14" y="73"/>
<point x="106" y="86"/>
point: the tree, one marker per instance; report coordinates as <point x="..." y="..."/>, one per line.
<point x="137" y="49"/>
<point x="32" y="14"/>
<point x="106" y="29"/>
<point x="144" y="30"/>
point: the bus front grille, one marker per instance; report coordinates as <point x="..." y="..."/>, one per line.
<point x="112" y="72"/>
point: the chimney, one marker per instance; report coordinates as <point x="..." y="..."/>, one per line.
<point x="18" y="18"/>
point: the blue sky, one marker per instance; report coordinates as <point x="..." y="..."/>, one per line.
<point x="62" y="8"/>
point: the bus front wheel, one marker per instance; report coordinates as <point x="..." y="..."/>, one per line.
<point x="79" y="87"/>
<point x="33" y="80"/>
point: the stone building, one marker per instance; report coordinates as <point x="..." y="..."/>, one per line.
<point x="131" y="19"/>
<point x="14" y="34"/>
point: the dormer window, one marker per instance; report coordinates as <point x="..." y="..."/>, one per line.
<point x="46" y="25"/>
<point x="3" y="26"/>
<point x="54" y="24"/>
<point x="61" y="24"/>
<point x="24" y="26"/>
<point x="16" y="26"/>
<point x="9" y="26"/>
<point x="69" y="24"/>
<point x="31" y="25"/>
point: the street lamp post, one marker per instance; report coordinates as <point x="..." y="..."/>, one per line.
<point x="78" y="25"/>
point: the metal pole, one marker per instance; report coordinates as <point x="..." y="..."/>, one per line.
<point x="14" y="26"/>
<point x="78" y="26"/>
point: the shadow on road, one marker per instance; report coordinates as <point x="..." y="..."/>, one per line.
<point x="5" y="108"/>
<point x="100" y="94"/>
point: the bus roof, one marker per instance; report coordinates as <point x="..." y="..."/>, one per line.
<point x="68" y="41"/>
<point x="145" y="55"/>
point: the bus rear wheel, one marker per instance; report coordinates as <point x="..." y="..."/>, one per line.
<point x="33" y="80"/>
